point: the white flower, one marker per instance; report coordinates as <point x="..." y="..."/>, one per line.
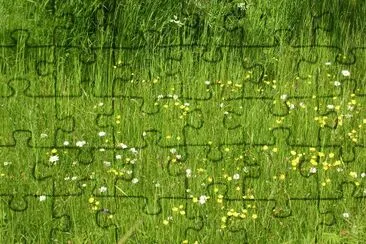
<point x="67" y="178"/>
<point x="236" y="176"/>
<point x="157" y="185"/>
<point x="178" y="156"/>
<point x="42" y="198"/>
<point x="330" y="106"/>
<point x="122" y="145"/>
<point x="284" y="97"/>
<point x="102" y="189"/>
<point x="345" y="215"/>
<point x="118" y="156"/>
<point x="345" y="73"/>
<point x="363" y="175"/>
<point x="313" y="170"/>
<point x="102" y="133"/>
<point x="74" y="178"/>
<point x="188" y="173"/>
<point x="328" y="63"/>
<point x="175" y="97"/>
<point x="134" y="180"/>
<point x="173" y="150"/>
<point x="207" y="82"/>
<point x="337" y="83"/>
<point x="66" y="143"/>
<point x="7" y="163"/>
<point x="160" y="96"/>
<point x="291" y="106"/>
<point x="144" y="134"/>
<point x="242" y="6"/>
<point x="80" y="143"/>
<point x="54" y="158"/>
<point x="107" y="164"/>
<point x="100" y="104"/>
<point x="101" y="149"/>
<point x="202" y="199"/>
<point x="44" y="135"/>
<point x="186" y="104"/>
<point x="133" y="150"/>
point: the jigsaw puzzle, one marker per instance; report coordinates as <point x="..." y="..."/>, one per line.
<point x="215" y="125"/>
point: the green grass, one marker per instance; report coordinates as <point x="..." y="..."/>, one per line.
<point x="208" y="121"/>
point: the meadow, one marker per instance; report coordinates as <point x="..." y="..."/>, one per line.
<point x="182" y="121"/>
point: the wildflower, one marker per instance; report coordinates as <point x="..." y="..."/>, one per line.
<point x="133" y="150"/>
<point x="80" y="143"/>
<point x="202" y="199"/>
<point x="7" y="163"/>
<point x="118" y="156"/>
<point x="188" y="173"/>
<point x="44" y="135"/>
<point x="353" y="174"/>
<point x="207" y="82"/>
<point x="165" y="222"/>
<point x="345" y="215"/>
<point x="330" y="106"/>
<point x="102" y="134"/>
<point x="122" y="145"/>
<point x="328" y="63"/>
<point x="337" y="83"/>
<point x="42" y="198"/>
<point x="134" y="180"/>
<point x="66" y="143"/>
<point x="313" y="170"/>
<point x="102" y="189"/>
<point x="345" y="73"/>
<point x="236" y="176"/>
<point x="54" y="159"/>
<point x="284" y="97"/>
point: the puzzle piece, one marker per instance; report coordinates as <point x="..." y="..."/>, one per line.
<point x="142" y="183"/>
<point x="130" y="123"/>
<point x="78" y="168"/>
<point x="236" y="165"/>
<point x="323" y="67"/>
<point x="350" y="129"/>
<point x="286" y="170"/>
<point x="84" y="109"/>
<point x="341" y="216"/>
<point x="18" y="225"/>
<point x="201" y="122"/>
<point x="223" y="220"/>
<point x="17" y="176"/>
<point x="20" y="109"/>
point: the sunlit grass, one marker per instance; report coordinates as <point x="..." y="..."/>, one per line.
<point x="182" y="122"/>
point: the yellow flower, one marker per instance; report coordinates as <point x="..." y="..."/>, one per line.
<point x="165" y="222"/>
